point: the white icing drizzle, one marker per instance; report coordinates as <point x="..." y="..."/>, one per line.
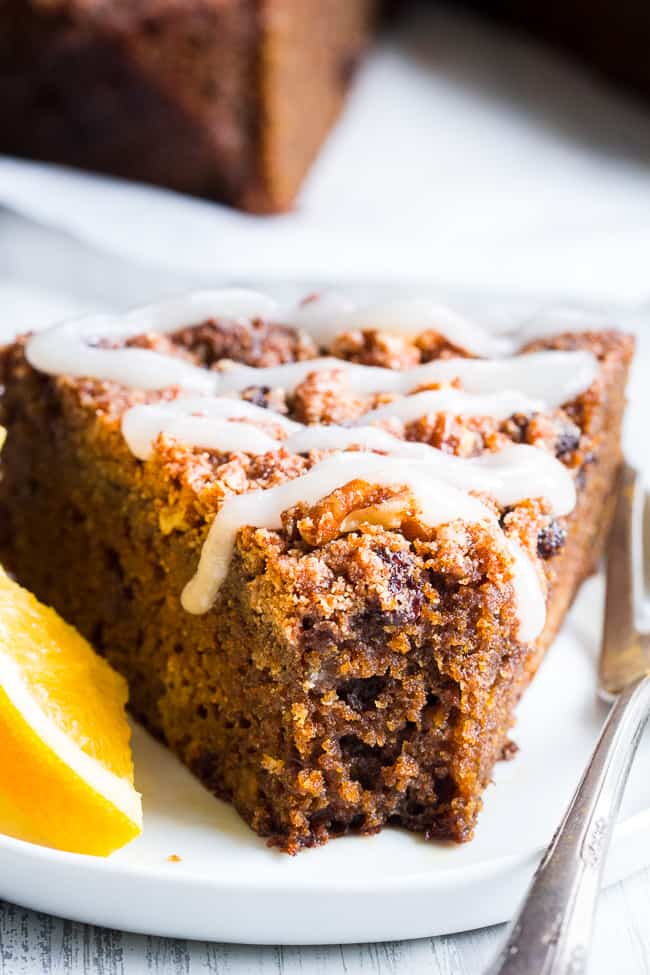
<point x="517" y="472"/>
<point x="497" y="387"/>
<point x="550" y="377"/>
<point x="325" y="315"/>
<point x="554" y="320"/>
<point x="531" y="601"/>
<point x="142" y="424"/>
<point x="499" y="406"/>
<point x="67" y="348"/>
<point x="513" y="474"/>
<point x="321" y="316"/>
<point x="204" y="432"/>
<point x="439" y="503"/>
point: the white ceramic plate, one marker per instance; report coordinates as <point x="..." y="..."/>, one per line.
<point x="228" y="886"/>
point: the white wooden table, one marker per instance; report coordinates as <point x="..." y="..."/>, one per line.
<point x="31" y="944"/>
<point x="34" y="265"/>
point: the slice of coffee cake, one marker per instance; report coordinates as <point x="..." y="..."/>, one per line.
<point x="327" y="546"/>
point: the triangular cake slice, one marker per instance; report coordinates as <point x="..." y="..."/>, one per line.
<point x="327" y="546"/>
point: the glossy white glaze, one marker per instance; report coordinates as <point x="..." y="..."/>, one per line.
<point x="438" y="503"/>
<point x="550" y="377"/>
<point x="327" y="314"/>
<point x="190" y="419"/>
<point x="498" y="406"/>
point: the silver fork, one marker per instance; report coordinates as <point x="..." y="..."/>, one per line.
<point x="551" y="934"/>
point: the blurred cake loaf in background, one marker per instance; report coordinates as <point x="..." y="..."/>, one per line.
<point x="228" y="99"/>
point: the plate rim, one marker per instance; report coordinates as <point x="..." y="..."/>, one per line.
<point x="433" y="878"/>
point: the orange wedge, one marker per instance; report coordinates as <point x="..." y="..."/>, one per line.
<point x="66" y="774"/>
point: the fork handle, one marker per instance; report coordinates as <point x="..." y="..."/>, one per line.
<point x="551" y="933"/>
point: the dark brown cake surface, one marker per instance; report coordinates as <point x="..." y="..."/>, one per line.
<point x="343" y="680"/>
